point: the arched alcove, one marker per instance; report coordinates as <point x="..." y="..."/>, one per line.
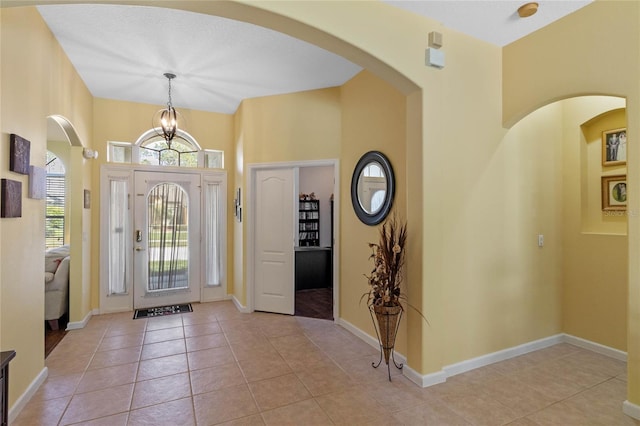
<point x="589" y="240"/>
<point x="61" y="132"/>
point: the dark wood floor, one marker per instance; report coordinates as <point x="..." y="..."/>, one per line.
<point x="315" y="303"/>
<point x="53" y="337"/>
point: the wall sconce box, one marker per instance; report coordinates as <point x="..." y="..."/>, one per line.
<point x="434" y="58"/>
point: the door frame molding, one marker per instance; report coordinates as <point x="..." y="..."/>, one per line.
<point x="125" y="301"/>
<point x="249" y="272"/>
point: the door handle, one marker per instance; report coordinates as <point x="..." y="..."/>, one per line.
<point x="139" y="248"/>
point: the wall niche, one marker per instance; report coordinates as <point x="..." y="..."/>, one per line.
<point x="604" y="171"/>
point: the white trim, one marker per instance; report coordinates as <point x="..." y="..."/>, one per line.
<point x="125" y="171"/>
<point x="82" y="324"/>
<point x="157" y="132"/>
<point x="631" y="409"/>
<point x="240" y="306"/>
<point x="421" y="380"/>
<point x="368" y="339"/>
<point x="595" y="347"/>
<point x="23" y="399"/>
<point x="430" y="379"/>
<point x="424" y="380"/>
<point x="491" y="358"/>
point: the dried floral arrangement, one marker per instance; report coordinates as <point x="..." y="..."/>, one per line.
<point x="388" y="256"/>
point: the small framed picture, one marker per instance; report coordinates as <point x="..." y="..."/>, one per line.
<point x="19" y="149"/>
<point x="37" y="183"/>
<point x="614" y="147"/>
<point x="614" y="192"/>
<point x="10" y="198"/>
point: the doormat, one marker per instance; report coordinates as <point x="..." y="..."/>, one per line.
<point x="162" y="310"/>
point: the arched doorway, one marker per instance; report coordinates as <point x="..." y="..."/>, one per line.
<point x="63" y="140"/>
<point x="589" y="233"/>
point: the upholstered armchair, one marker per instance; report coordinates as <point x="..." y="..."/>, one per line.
<point x="56" y="284"/>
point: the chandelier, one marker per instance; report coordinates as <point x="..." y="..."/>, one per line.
<point x="166" y="119"/>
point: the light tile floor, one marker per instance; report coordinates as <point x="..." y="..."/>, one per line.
<point x="218" y="366"/>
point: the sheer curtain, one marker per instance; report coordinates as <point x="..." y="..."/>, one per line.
<point x="168" y="213"/>
<point x="118" y="232"/>
<point x="212" y="234"/>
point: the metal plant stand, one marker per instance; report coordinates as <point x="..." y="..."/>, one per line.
<point x="386" y="330"/>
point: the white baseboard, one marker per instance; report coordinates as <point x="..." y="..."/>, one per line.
<point x="370" y="340"/>
<point x="595" y="347"/>
<point x="631" y="410"/>
<point x="81" y="324"/>
<point x="239" y="305"/>
<point x="424" y="380"/>
<point x="430" y="379"/>
<point x="488" y="359"/>
<point x="23" y="399"/>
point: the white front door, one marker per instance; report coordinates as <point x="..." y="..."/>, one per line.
<point x="274" y="241"/>
<point x="166" y="237"/>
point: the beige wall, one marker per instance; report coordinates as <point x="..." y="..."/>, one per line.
<point x="293" y="127"/>
<point x="373" y="119"/>
<point x="538" y="70"/>
<point x="501" y="289"/>
<point x="33" y="87"/>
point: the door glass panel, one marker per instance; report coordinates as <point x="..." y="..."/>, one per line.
<point x="118" y="237"/>
<point x="168" y="237"/>
<point x="212" y="233"/>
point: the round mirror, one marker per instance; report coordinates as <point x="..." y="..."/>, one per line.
<point x="372" y="188"/>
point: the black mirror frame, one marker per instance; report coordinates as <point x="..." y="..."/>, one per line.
<point x="367" y="218"/>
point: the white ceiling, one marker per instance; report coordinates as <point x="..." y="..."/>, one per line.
<point x="121" y="52"/>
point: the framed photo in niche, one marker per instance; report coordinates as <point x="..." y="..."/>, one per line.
<point x="614" y="192"/>
<point x="19" y="149"/>
<point x="10" y="198"/>
<point x="614" y="147"/>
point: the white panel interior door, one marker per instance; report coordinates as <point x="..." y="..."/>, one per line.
<point x="166" y="239"/>
<point x="274" y="237"/>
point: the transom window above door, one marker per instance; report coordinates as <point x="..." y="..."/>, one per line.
<point x="152" y="149"/>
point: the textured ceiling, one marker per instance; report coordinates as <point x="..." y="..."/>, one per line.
<point x="121" y="52"/>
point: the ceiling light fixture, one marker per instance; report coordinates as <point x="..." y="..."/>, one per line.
<point x="167" y="119"/>
<point x="528" y="9"/>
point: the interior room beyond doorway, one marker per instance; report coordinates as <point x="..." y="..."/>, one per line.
<point x="314" y="248"/>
